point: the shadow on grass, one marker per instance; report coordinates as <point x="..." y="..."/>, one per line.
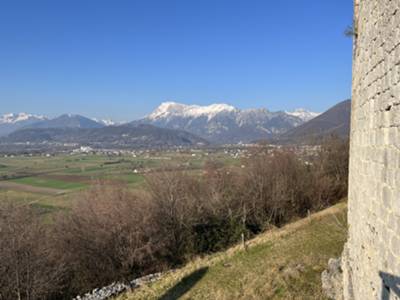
<point x="185" y="285"/>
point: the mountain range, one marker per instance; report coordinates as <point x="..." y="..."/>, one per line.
<point x="67" y="121"/>
<point x="14" y="121"/>
<point x="218" y="123"/>
<point x="175" y="124"/>
<point x="225" y="124"/>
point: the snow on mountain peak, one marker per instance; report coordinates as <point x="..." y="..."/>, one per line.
<point x="12" y="118"/>
<point x="303" y="114"/>
<point x="107" y="122"/>
<point x="169" y="109"/>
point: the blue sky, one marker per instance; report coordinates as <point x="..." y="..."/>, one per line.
<point x="121" y="58"/>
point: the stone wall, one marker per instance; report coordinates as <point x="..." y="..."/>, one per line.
<point x="371" y="260"/>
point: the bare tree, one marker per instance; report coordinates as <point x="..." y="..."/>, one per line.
<point x="108" y="235"/>
<point x="276" y="186"/>
<point x="177" y="199"/>
<point x="330" y="171"/>
<point x="28" y="268"/>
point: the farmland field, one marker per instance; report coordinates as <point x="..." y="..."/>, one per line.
<point x="49" y="183"/>
<point x="53" y="182"/>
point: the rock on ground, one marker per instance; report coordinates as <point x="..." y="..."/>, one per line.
<point x="332" y="280"/>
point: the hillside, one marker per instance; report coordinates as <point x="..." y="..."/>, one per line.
<point x="281" y="264"/>
<point x="142" y="136"/>
<point x="335" y="120"/>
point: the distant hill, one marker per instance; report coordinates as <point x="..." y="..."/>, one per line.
<point x="125" y="136"/>
<point x="335" y="121"/>
<point x="68" y="121"/>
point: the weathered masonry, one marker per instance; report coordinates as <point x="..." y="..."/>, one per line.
<point x="371" y="260"/>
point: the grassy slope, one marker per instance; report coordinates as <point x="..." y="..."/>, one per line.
<point x="283" y="264"/>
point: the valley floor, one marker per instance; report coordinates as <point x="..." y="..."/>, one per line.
<point x="284" y="263"/>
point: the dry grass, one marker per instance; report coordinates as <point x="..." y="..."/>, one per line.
<point x="284" y="263"/>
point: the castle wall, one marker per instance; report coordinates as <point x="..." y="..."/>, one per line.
<point x="371" y="261"/>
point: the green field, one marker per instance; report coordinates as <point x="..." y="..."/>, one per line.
<point x="52" y="182"/>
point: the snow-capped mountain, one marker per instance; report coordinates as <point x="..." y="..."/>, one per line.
<point x="13" y="118"/>
<point x="14" y="121"/>
<point x="303" y="114"/>
<point x="222" y="123"/>
<point x="171" y="109"/>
